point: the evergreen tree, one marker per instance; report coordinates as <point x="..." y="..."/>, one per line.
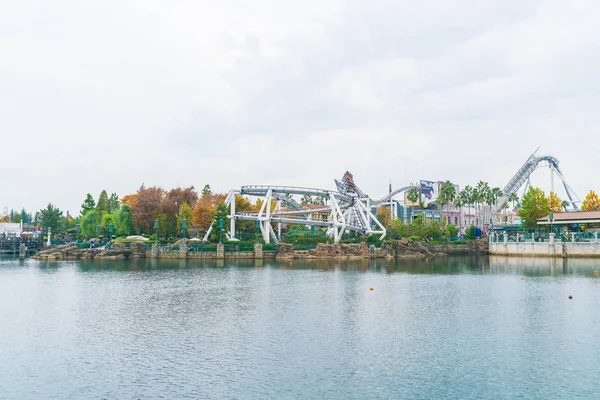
<point x="206" y="191"/>
<point x="113" y="203"/>
<point x="88" y="204"/>
<point x="51" y="217"/>
<point x="102" y="206"/>
<point x="25" y="217"/>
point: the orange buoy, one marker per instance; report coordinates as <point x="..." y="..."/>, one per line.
<point x="522" y="278"/>
<point x="371" y="288"/>
<point x="595" y="272"/>
<point x="570" y="297"/>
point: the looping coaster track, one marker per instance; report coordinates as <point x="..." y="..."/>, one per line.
<point x="346" y="210"/>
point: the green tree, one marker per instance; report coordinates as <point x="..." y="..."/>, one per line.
<point x="88" y="223"/>
<point x="447" y="194"/>
<point x="107" y="221"/>
<point x="513" y="198"/>
<point x="221" y="215"/>
<point x="206" y="191"/>
<point x="50" y="217"/>
<point x="102" y="205"/>
<point x="535" y="206"/>
<point x="451" y="231"/>
<point x="16" y="218"/>
<point x="25" y="217"/>
<point x="306" y="199"/>
<point x="88" y="204"/>
<point x="413" y="196"/>
<point x="123" y="221"/>
<point x="113" y="203"/>
<point x="319" y="200"/>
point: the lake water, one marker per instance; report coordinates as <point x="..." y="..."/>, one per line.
<point x="444" y="328"/>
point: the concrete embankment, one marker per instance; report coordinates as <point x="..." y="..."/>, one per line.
<point x="546" y="249"/>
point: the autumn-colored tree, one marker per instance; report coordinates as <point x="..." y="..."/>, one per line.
<point x="204" y="211"/>
<point x="129" y="200"/>
<point x="185" y="213"/>
<point x="172" y="203"/>
<point x="384" y="215"/>
<point x="554" y="203"/>
<point x="591" y="202"/>
<point x="147" y="208"/>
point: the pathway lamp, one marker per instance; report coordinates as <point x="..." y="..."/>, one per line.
<point x="111" y="228"/>
<point x="258" y="233"/>
<point x="155" y="231"/>
<point x="220" y="231"/>
<point x="551" y="219"/>
<point x="183" y="226"/>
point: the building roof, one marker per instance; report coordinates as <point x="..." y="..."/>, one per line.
<point x="576" y="217"/>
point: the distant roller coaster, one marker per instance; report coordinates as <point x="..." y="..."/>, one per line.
<point x="347" y="210"/>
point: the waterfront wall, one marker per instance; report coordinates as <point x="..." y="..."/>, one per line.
<point x="546" y="249"/>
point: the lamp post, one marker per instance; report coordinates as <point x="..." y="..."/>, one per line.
<point x="220" y="231"/>
<point x="183" y="226"/>
<point x="155" y="231"/>
<point x="111" y="227"/>
<point x="258" y="233"/>
<point x="551" y="219"/>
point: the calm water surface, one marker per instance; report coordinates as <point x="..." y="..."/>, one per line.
<point x="446" y="328"/>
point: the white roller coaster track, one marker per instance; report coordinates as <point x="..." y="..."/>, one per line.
<point x="346" y="212"/>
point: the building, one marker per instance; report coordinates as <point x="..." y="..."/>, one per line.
<point x="11" y="229"/>
<point x="572" y="220"/>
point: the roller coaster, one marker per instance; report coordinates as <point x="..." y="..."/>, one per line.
<point x="347" y="208"/>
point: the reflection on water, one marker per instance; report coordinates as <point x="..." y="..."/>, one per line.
<point x="438" y="328"/>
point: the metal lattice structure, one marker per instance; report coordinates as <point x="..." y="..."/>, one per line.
<point x="346" y="210"/>
<point x="523" y="177"/>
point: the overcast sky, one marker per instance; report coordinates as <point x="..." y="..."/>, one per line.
<point x="113" y="94"/>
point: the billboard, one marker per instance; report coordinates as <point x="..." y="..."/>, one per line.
<point x="429" y="193"/>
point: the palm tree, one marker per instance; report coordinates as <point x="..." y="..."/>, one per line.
<point x="459" y="203"/>
<point x="413" y="195"/>
<point x="468" y="194"/>
<point x="513" y="198"/>
<point x="447" y="194"/>
<point x="565" y="204"/>
<point x="482" y="191"/>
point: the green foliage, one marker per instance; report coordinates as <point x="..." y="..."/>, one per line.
<point x="102" y="205"/>
<point x="123" y="221"/>
<point x="319" y="200"/>
<point x="447" y="194"/>
<point x="413" y="195"/>
<point x="16" y="218"/>
<point x="451" y="231"/>
<point x="50" y="217"/>
<point x="206" y="191"/>
<point x="535" y="206"/>
<point x="221" y="214"/>
<point x="415" y="239"/>
<point x="25" y="216"/>
<point x="471" y="232"/>
<point x="384" y="215"/>
<point x="88" y="223"/>
<point x="113" y="203"/>
<point x="426" y="228"/>
<point x="400" y="229"/>
<point x="107" y="220"/>
<point x="88" y="204"/>
<point x="306" y="199"/>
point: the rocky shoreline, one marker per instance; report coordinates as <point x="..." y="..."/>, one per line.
<point x="390" y="250"/>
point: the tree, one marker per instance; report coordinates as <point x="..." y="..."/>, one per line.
<point x="513" y="198"/>
<point x="447" y="194"/>
<point x="107" y="221"/>
<point x="185" y="212"/>
<point x="319" y="200"/>
<point x="384" y="215"/>
<point x="113" y="203"/>
<point x="205" y="209"/>
<point x="413" y="196"/>
<point x="554" y="203"/>
<point x="16" y="218"/>
<point x="147" y="208"/>
<point x="123" y="221"/>
<point x="481" y="194"/>
<point x="535" y="206"/>
<point x="25" y="217"/>
<point x="102" y="205"/>
<point x="88" y="223"/>
<point x="88" y="204"/>
<point x="565" y="204"/>
<point x="306" y="199"/>
<point x="591" y="202"/>
<point x="129" y="200"/>
<point x="206" y="191"/>
<point x="50" y="217"/>
<point x="171" y="205"/>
